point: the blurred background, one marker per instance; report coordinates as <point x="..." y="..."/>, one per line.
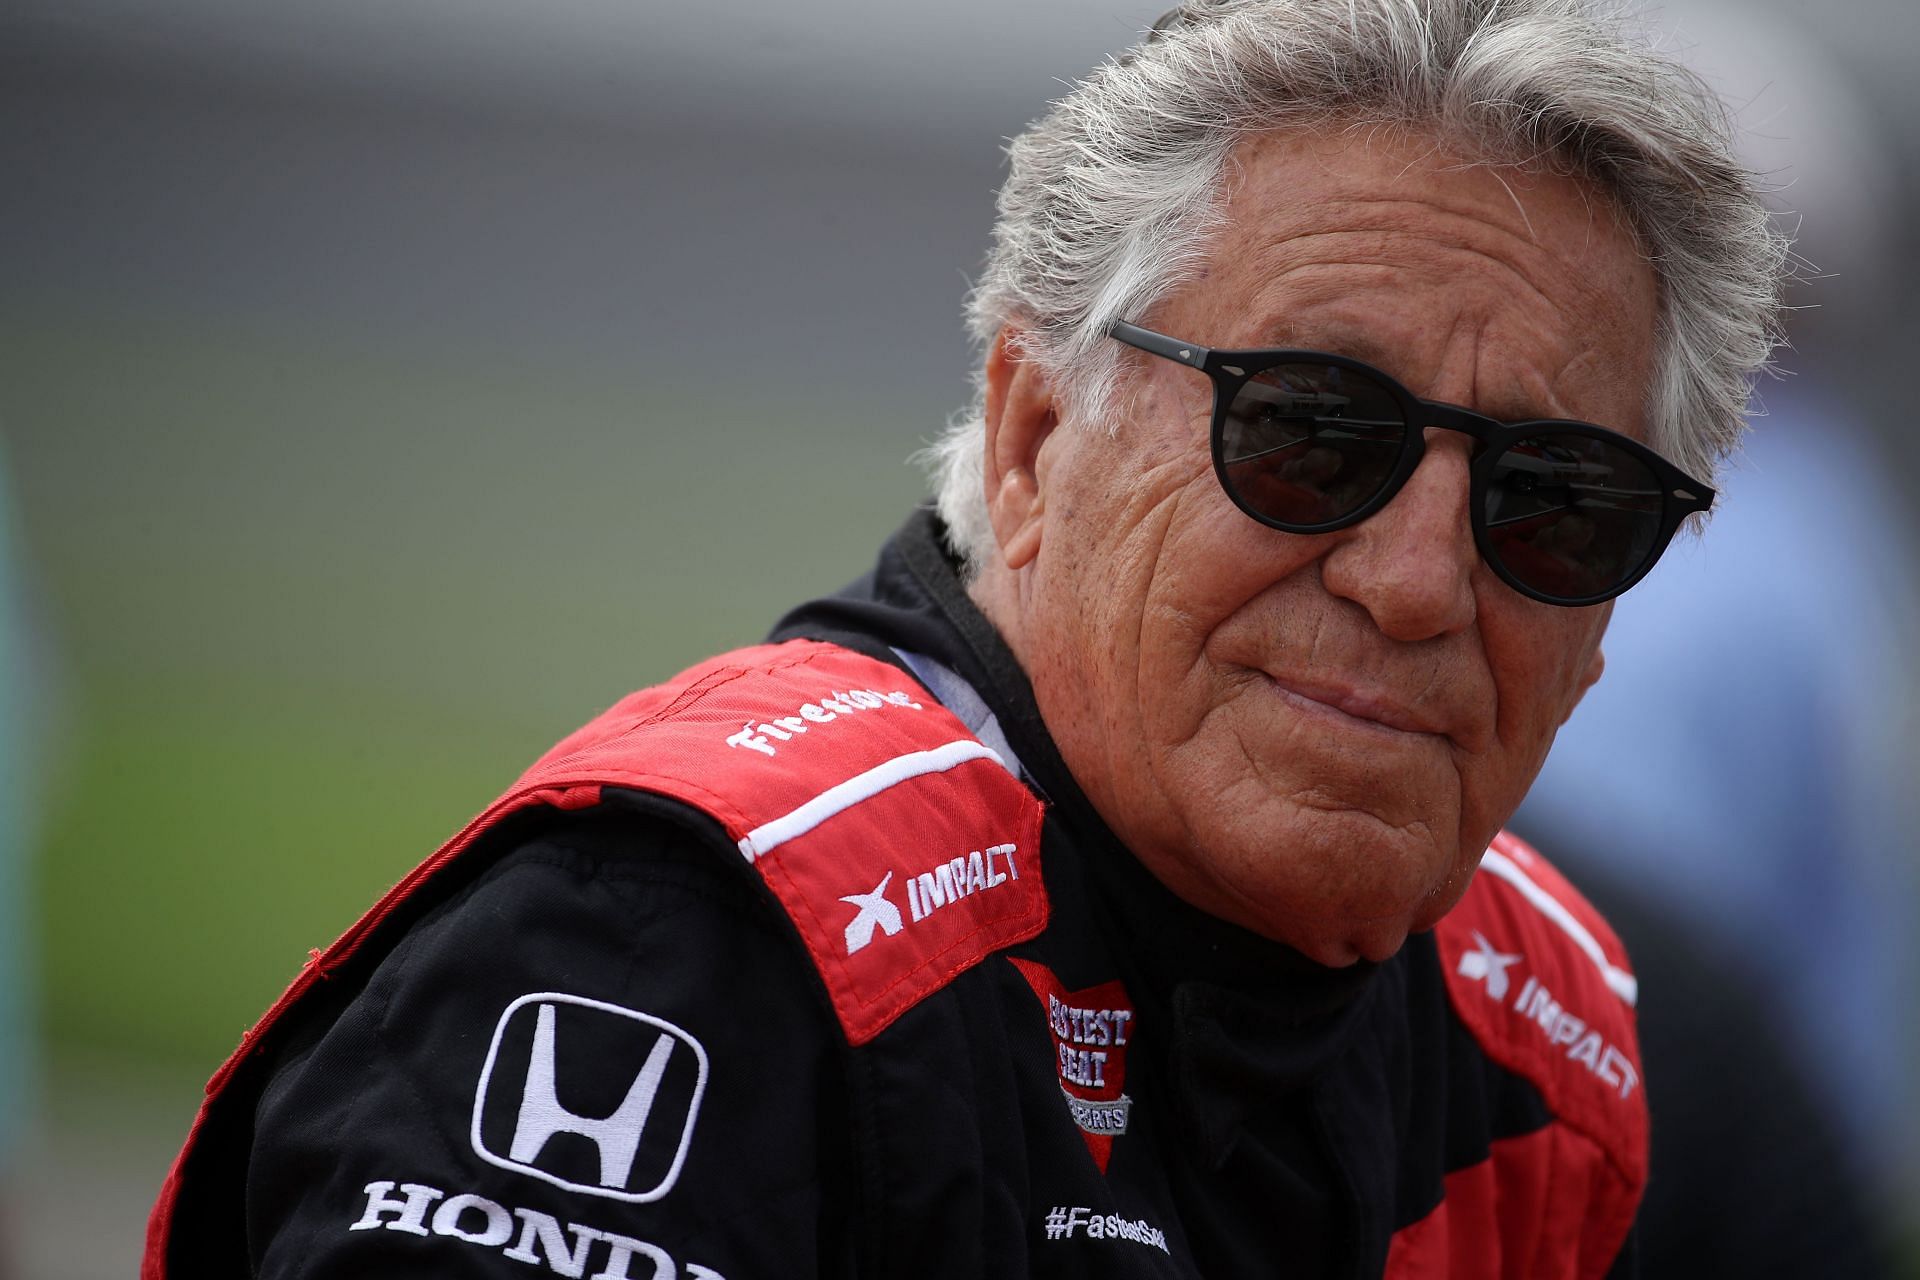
<point x="385" y="388"/>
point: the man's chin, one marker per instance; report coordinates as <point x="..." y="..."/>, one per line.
<point x="1378" y="938"/>
<point x="1337" y="902"/>
<point x="1337" y="940"/>
<point x="1338" y="944"/>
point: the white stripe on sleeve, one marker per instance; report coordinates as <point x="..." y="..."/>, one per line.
<point x="768" y="836"/>
<point x="1623" y="984"/>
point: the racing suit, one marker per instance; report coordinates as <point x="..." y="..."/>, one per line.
<point x="816" y="961"/>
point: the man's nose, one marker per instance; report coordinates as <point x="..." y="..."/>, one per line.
<point x="1411" y="564"/>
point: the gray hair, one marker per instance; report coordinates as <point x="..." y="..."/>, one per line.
<point x="1113" y="194"/>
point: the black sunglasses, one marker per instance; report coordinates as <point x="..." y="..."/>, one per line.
<point x="1565" y="512"/>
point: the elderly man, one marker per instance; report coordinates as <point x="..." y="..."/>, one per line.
<point x="1111" y="882"/>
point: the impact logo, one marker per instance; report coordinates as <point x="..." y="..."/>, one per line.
<point x="874" y="910"/>
<point x="926" y="893"/>
<point x="1090" y="1032"/>
<point x="1534" y="1002"/>
<point x="1488" y="964"/>
<point x="589" y="1096"/>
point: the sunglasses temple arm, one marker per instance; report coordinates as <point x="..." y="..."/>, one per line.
<point x="1160" y="344"/>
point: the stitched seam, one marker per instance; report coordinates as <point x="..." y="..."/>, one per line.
<point x="1533" y="1066"/>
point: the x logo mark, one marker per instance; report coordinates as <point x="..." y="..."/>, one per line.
<point x="874" y="910"/>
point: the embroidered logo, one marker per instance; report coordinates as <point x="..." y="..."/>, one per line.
<point x="1489" y="964"/>
<point x="762" y="735"/>
<point x="1090" y="1031"/>
<point x="615" y="1121"/>
<point x="1535" y="1002"/>
<point x="1063" y="1222"/>
<point x="875" y="910"/>
<point x="959" y="878"/>
<point x="928" y="892"/>
<point x="525" y="1235"/>
<point x="1583" y="1045"/>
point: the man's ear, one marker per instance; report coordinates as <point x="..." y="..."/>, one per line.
<point x="1588" y="678"/>
<point x="1020" y="415"/>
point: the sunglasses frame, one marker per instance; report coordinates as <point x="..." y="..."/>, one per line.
<point x="1680" y="494"/>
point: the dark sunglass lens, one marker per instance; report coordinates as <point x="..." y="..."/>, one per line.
<point x="1572" y="516"/>
<point x="1308" y="444"/>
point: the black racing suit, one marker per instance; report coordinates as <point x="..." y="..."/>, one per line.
<point x="1262" y="1115"/>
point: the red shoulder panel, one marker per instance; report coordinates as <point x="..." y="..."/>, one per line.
<point x="902" y="848"/>
<point x="1544" y="984"/>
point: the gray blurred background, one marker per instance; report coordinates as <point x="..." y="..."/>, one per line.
<point x="386" y="387"/>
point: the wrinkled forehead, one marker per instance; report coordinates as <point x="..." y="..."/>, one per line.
<point x="1391" y="247"/>
<point x="1296" y="200"/>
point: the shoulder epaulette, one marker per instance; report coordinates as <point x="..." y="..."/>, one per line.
<point x="1543" y="983"/>
<point x="901" y="846"/>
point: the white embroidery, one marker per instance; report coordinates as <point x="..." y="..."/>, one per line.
<point x="948" y="882"/>
<point x="412" y="1210"/>
<point x="874" y="910"/>
<point x="543" y="1230"/>
<point x="1078" y="1025"/>
<point x="762" y="735"/>
<point x="1584" y="1046"/>
<point x="1622" y="983"/>
<point x="499" y="1223"/>
<point x="1488" y="963"/>
<point x="543" y="1239"/>
<point x="959" y="878"/>
<point x="840" y="797"/>
<point x="1102" y="1119"/>
<point x="539" y="1115"/>
<point x="1063" y="1222"/>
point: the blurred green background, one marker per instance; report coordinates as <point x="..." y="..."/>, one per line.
<point x="317" y="612"/>
<point x="385" y="390"/>
<point x="274" y="707"/>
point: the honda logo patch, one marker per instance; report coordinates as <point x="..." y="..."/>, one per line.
<point x="589" y="1096"/>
